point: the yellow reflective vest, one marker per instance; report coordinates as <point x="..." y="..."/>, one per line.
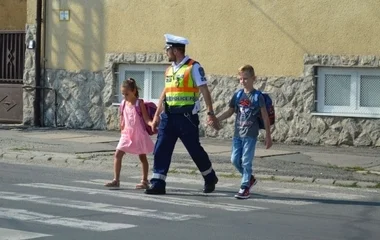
<point x="180" y="88"/>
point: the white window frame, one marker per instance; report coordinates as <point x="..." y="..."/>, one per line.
<point x="147" y="69"/>
<point x="354" y="110"/>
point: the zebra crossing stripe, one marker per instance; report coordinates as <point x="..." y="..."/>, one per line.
<point x="10" y="234"/>
<point x="28" y="216"/>
<point x="315" y="194"/>
<point x="170" y="179"/>
<point x="185" y="191"/>
<point x="182" y="191"/>
<point x="143" y="197"/>
<point x="99" y="207"/>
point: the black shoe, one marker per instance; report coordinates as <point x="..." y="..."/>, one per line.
<point x="210" y="187"/>
<point x="155" y="191"/>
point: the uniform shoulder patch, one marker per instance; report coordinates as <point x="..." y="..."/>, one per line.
<point x="202" y="74"/>
<point x="201" y="71"/>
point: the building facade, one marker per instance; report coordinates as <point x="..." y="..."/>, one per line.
<point x="319" y="61"/>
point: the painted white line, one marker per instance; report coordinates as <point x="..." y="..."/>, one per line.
<point x="177" y="190"/>
<point x="355" y="190"/>
<point x="99" y="207"/>
<point x="192" y="181"/>
<point x="317" y="194"/>
<point x="284" y="202"/>
<point x="24" y="215"/>
<point x="182" y="191"/>
<point x="10" y="234"/>
<point x="144" y="197"/>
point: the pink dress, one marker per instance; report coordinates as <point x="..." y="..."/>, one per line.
<point x="134" y="138"/>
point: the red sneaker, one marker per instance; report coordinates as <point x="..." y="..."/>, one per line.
<point x="243" y="193"/>
<point x="252" y="182"/>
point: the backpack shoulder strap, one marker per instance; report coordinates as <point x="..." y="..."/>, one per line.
<point x="122" y="105"/>
<point x="237" y="98"/>
<point x="121" y="113"/>
<point x="138" y="107"/>
<point x="238" y="95"/>
<point x="256" y="97"/>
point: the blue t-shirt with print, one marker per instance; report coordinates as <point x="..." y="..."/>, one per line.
<point x="247" y="112"/>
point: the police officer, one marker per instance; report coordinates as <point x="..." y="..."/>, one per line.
<point x="177" y="114"/>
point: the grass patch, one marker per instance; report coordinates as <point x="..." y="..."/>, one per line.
<point x="173" y="171"/>
<point x="332" y="166"/>
<point x="83" y="158"/>
<point x="354" y="169"/>
<point x="265" y="179"/>
<point x="271" y="178"/>
<point x="231" y="175"/>
<point x="376" y="186"/>
<point x="292" y="181"/>
<point x="350" y="169"/>
<point x="20" y="149"/>
<point x="353" y="185"/>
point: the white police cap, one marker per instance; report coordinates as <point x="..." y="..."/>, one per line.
<point x="175" y="41"/>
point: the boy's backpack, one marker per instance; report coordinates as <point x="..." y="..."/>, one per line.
<point x="268" y="104"/>
<point x="151" y="110"/>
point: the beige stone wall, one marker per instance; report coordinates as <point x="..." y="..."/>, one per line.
<point x="272" y="35"/>
<point x="85" y="100"/>
<point x="12" y="14"/>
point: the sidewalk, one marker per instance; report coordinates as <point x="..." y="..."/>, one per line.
<point x="328" y="165"/>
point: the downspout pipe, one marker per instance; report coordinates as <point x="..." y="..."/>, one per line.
<point x="37" y="98"/>
<point x="44" y="64"/>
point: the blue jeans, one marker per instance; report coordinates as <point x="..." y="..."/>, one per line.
<point x="243" y="153"/>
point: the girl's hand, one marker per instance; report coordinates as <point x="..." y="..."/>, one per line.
<point x="154" y="123"/>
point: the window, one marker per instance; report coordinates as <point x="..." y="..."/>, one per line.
<point x="149" y="78"/>
<point x="348" y="92"/>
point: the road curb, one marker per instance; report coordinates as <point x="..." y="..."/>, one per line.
<point x="42" y="157"/>
<point x="13" y="126"/>
<point x="28" y="127"/>
<point x="77" y="159"/>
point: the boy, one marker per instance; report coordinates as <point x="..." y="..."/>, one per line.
<point x="248" y="108"/>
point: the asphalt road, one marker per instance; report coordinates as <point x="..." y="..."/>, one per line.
<point x="59" y="203"/>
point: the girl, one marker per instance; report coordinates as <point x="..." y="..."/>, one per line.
<point x="134" y="138"/>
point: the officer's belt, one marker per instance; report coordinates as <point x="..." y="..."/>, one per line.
<point x="179" y="110"/>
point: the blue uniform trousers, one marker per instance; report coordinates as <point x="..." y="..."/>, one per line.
<point x="186" y="127"/>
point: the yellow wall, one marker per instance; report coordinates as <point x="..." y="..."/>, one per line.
<point x="273" y="35"/>
<point x="12" y="14"/>
<point x="31" y="11"/>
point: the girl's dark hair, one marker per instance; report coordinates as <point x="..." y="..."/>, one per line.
<point x="130" y="83"/>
